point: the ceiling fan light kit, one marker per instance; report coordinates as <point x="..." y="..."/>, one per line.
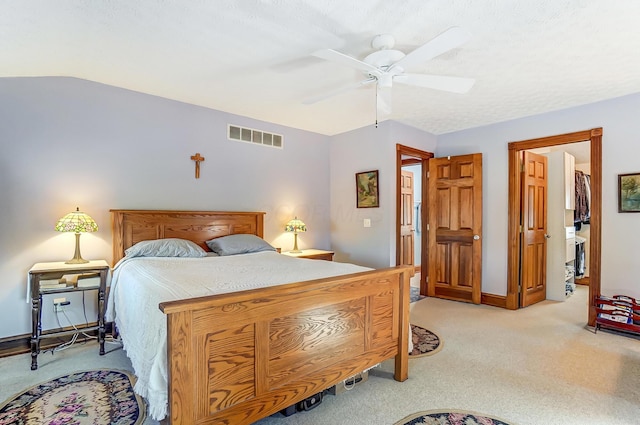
<point x="387" y="65"/>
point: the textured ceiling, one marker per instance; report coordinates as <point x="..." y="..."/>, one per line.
<point x="253" y="57"/>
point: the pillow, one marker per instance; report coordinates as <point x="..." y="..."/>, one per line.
<point x="238" y="244"/>
<point x="171" y="247"/>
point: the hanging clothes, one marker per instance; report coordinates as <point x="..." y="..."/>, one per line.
<point x="587" y="183"/>
<point x="583" y="195"/>
<point x="581" y="263"/>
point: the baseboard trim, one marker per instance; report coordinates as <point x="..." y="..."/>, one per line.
<point x="21" y="344"/>
<point x="494" y="300"/>
<point x="14" y="345"/>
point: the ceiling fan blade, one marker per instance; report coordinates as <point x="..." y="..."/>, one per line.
<point x="450" y="39"/>
<point x="341" y="58"/>
<point x="338" y="91"/>
<point x="437" y="82"/>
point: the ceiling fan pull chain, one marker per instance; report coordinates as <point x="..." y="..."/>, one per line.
<point x="376" y="105"/>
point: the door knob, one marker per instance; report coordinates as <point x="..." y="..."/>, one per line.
<point x="546" y="235"/>
<point x="476" y="237"/>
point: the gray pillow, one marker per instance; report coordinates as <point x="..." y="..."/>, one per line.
<point x="170" y="247"/>
<point x="238" y="244"/>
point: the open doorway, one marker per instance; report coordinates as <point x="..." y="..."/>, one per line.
<point x="594" y="136"/>
<point x="568" y="218"/>
<point x="408" y="217"/>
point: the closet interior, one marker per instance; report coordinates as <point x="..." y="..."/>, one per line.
<point x="568" y="202"/>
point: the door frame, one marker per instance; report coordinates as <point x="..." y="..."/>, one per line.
<point x="595" y="241"/>
<point x="423" y="158"/>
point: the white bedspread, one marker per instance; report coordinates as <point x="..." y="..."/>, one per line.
<point x="140" y="284"/>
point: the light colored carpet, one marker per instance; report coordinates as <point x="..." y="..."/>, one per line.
<point x="538" y="365"/>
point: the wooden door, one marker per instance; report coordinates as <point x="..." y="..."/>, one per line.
<point x="533" y="240"/>
<point x="407" y="225"/>
<point x="455" y="228"/>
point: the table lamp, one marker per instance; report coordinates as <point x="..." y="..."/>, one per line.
<point x="77" y="222"/>
<point x="296" y="226"/>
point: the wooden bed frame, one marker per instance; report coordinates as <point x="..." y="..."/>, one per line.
<point x="236" y="358"/>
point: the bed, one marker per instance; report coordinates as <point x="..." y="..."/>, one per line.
<point x="236" y="357"/>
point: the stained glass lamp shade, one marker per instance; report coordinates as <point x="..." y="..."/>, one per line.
<point x="77" y="222"/>
<point x="296" y="226"/>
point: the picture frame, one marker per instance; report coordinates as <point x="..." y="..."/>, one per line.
<point x="629" y="192"/>
<point x="367" y="195"/>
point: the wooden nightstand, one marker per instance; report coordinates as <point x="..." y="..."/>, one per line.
<point x="52" y="271"/>
<point x="314" y="254"/>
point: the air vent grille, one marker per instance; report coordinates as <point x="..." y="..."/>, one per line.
<point x="258" y="137"/>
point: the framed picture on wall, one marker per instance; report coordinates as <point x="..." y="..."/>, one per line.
<point x="629" y="192"/>
<point x="367" y="189"/>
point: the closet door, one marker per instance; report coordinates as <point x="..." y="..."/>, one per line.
<point x="533" y="238"/>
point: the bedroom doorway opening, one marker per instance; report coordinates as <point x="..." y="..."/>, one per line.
<point x="411" y="189"/>
<point x="514" y="259"/>
<point x="568" y="219"/>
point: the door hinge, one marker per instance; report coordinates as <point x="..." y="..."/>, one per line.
<point x="427" y="174"/>
<point x="427" y="227"/>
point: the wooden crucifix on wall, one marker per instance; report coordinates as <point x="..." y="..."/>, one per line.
<point x="198" y="159"/>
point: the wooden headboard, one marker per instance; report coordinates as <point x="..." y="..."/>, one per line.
<point x="132" y="226"/>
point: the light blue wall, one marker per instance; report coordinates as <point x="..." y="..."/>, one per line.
<point x="67" y="142"/>
<point x="620" y="154"/>
<point x="365" y="149"/>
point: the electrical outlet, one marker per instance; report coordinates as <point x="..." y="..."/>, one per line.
<point x="367" y="222"/>
<point x="59" y="304"/>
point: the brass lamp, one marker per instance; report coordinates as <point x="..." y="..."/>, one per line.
<point x="77" y="222"/>
<point x="296" y="226"/>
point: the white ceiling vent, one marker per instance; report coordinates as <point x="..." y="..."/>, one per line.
<point x="249" y="135"/>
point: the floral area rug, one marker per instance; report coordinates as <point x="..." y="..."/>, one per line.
<point x="425" y="342"/>
<point x="95" y="397"/>
<point x="440" y="417"/>
<point x="414" y="295"/>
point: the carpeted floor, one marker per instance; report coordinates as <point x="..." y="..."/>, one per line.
<point x="538" y="365"/>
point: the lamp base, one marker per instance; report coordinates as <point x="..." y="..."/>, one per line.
<point x="77" y="258"/>
<point x="295" y="249"/>
<point x="77" y="261"/>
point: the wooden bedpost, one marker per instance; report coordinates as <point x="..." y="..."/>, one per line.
<point x="401" y="370"/>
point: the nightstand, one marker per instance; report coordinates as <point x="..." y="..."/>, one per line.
<point x="53" y="271"/>
<point x="314" y="254"/>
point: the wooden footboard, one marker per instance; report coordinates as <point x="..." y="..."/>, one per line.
<point x="239" y="357"/>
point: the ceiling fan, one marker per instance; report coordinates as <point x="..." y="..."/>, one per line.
<point x="386" y="66"/>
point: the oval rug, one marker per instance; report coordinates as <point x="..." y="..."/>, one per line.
<point x="425" y="342"/>
<point x="92" y="397"/>
<point x="450" y="417"/>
